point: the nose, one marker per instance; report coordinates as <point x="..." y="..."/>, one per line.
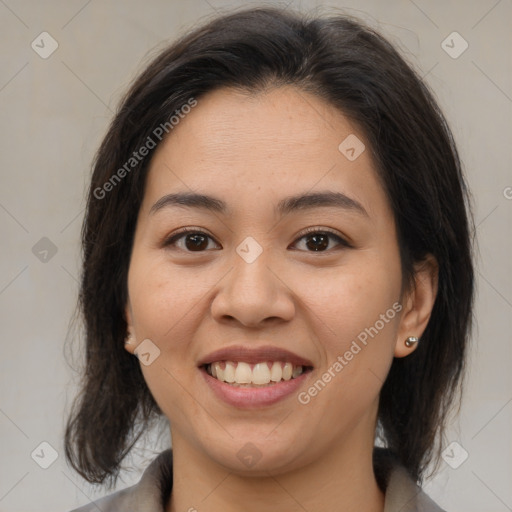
<point x="253" y="294"/>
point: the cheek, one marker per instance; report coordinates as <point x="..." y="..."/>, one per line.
<point x="357" y="318"/>
<point x="348" y="300"/>
<point x="164" y="303"/>
<point x="162" y="296"/>
<point x="356" y="321"/>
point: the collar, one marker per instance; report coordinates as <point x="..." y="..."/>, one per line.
<point x="402" y="494"/>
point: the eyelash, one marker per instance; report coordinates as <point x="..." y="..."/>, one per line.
<point x="171" y="240"/>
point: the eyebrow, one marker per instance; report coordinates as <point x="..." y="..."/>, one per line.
<point x="285" y="206"/>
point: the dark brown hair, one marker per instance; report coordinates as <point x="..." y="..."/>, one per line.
<point x="357" y="71"/>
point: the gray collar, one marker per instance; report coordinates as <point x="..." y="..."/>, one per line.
<point x="402" y="494"/>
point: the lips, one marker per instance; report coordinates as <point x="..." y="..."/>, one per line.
<point x="254" y="377"/>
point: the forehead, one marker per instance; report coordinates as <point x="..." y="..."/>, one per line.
<point x="226" y="120"/>
<point x="270" y="144"/>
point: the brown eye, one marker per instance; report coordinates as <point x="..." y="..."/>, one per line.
<point x="196" y="242"/>
<point x="193" y="240"/>
<point x="318" y="241"/>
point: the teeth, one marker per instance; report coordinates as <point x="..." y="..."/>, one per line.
<point x="260" y="374"/>
<point x="219" y="372"/>
<point x="276" y="373"/>
<point x="297" y="371"/>
<point x="243" y="373"/>
<point x="229" y="372"/>
<point x="287" y="371"/>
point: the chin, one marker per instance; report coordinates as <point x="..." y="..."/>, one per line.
<point x="256" y="454"/>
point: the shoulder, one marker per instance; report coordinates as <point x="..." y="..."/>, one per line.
<point x="402" y="494"/>
<point x="150" y="493"/>
<point x="115" y="502"/>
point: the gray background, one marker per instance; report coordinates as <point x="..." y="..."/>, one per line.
<point x="54" y="113"/>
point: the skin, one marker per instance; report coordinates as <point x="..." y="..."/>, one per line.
<point x="251" y="151"/>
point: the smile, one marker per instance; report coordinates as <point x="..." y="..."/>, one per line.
<point x="243" y="374"/>
<point x="247" y="377"/>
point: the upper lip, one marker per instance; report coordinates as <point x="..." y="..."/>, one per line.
<point x="254" y="355"/>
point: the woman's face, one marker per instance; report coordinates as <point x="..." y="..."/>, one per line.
<point x="251" y="287"/>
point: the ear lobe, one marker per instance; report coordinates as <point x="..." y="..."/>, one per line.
<point x="419" y="304"/>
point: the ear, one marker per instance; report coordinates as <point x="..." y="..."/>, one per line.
<point x="130" y="342"/>
<point x="418" y="303"/>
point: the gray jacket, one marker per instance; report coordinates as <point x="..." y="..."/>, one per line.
<point x="154" y="488"/>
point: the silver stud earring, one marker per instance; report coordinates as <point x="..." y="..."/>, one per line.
<point x="411" y="340"/>
<point x="129" y="339"/>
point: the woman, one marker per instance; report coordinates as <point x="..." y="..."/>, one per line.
<point x="277" y="259"/>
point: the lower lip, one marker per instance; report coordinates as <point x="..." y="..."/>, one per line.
<point x="249" y="398"/>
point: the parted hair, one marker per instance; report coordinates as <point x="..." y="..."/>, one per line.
<point x="358" y="71"/>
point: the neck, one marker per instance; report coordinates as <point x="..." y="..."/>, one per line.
<point x="338" y="481"/>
